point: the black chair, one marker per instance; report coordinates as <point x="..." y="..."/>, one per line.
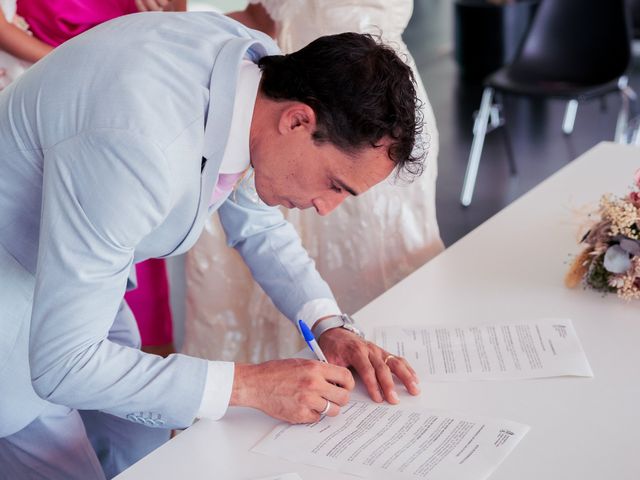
<point x="576" y="50"/>
<point x="634" y="10"/>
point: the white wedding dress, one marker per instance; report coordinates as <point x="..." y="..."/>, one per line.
<point x="363" y="248"/>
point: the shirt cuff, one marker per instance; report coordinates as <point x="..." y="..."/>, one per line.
<point x="314" y="310"/>
<point x="217" y="390"/>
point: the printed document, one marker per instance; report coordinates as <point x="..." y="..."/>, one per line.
<point x="384" y="441"/>
<point x="539" y="348"/>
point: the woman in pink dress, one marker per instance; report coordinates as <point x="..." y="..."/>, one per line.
<point x="54" y="22"/>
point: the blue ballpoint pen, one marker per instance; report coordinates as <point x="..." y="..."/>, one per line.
<point x="311" y="341"/>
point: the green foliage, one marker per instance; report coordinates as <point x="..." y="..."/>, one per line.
<point x="598" y="276"/>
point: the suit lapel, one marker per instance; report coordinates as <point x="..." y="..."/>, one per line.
<point x="218" y="123"/>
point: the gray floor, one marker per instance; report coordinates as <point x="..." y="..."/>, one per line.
<point x="535" y="128"/>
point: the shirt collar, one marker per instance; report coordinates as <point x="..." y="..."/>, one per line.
<point x="236" y="156"/>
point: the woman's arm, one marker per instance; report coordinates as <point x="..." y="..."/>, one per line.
<point x="255" y="16"/>
<point x="19" y="43"/>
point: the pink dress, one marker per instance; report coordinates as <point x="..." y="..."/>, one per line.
<point x="54" y="22"/>
<point x="150" y="303"/>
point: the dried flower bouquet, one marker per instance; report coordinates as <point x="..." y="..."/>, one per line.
<point x="611" y="260"/>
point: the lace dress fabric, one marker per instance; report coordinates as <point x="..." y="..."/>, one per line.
<point x="363" y="248"/>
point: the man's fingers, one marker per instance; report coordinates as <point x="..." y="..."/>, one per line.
<point x="401" y="369"/>
<point x="409" y="367"/>
<point x="337" y="395"/>
<point x="368" y="360"/>
<point x="385" y="379"/>
<point x="339" y="375"/>
<point x="321" y="407"/>
<point x="367" y="373"/>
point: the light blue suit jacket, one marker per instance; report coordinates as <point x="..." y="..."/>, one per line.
<point x="100" y="154"/>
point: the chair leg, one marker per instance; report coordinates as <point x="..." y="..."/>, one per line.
<point x="627" y="112"/>
<point x="603" y="104"/>
<point x="633" y="130"/>
<point x="622" y="123"/>
<point x="499" y="119"/>
<point x="569" y="117"/>
<point x="507" y="143"/>
<point x="635" y="138"/>
<point x="495" y="117"/>
<point x="479" y="132"/>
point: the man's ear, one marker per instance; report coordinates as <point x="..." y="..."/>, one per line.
<point x="296" y="116"/>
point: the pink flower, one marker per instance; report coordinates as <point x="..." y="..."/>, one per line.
<point x="634" y="198"/>
<point x="636" y="178"/>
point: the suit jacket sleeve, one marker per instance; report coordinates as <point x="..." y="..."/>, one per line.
<point x="271" y="248"/>
<point x="103" y="191"/>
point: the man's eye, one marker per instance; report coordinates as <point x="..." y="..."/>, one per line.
<point x="336" y="188"/>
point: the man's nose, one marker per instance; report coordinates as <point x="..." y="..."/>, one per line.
<point x="327" y="204"/>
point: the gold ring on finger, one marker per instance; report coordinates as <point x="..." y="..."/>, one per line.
<point x="387" y="358"/>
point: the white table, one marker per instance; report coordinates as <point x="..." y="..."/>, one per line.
<point x="511" y="267"/>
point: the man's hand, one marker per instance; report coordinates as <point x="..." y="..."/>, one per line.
<point x="346" y="349"/>
<point x="293" y="390"/>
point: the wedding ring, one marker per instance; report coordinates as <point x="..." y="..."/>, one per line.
<point x="387" y="358"/>
<point x="326" y="409"/>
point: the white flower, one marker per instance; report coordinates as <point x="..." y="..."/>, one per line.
<point x="616" y="281"/>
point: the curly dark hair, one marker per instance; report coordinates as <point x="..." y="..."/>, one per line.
<point x="360" y="91"/>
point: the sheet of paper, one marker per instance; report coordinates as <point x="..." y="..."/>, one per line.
<point x="539" y="348"/>
<point x="284" y="476"/>
<point x="385" y="441"/>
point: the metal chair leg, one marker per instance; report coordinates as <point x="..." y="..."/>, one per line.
<point x="603" y="104"/>
<point x="622" y="123"/>
<point x="569" y="117"/>
<point x="479" y="132"/>
<point x="501" y="121"/>
<point x="635" y="136"/>
<point x="495" y="117"/>
<point x="627" y="112"/>
<point x="633" y="130"/>
<point x="507" y="143"/>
